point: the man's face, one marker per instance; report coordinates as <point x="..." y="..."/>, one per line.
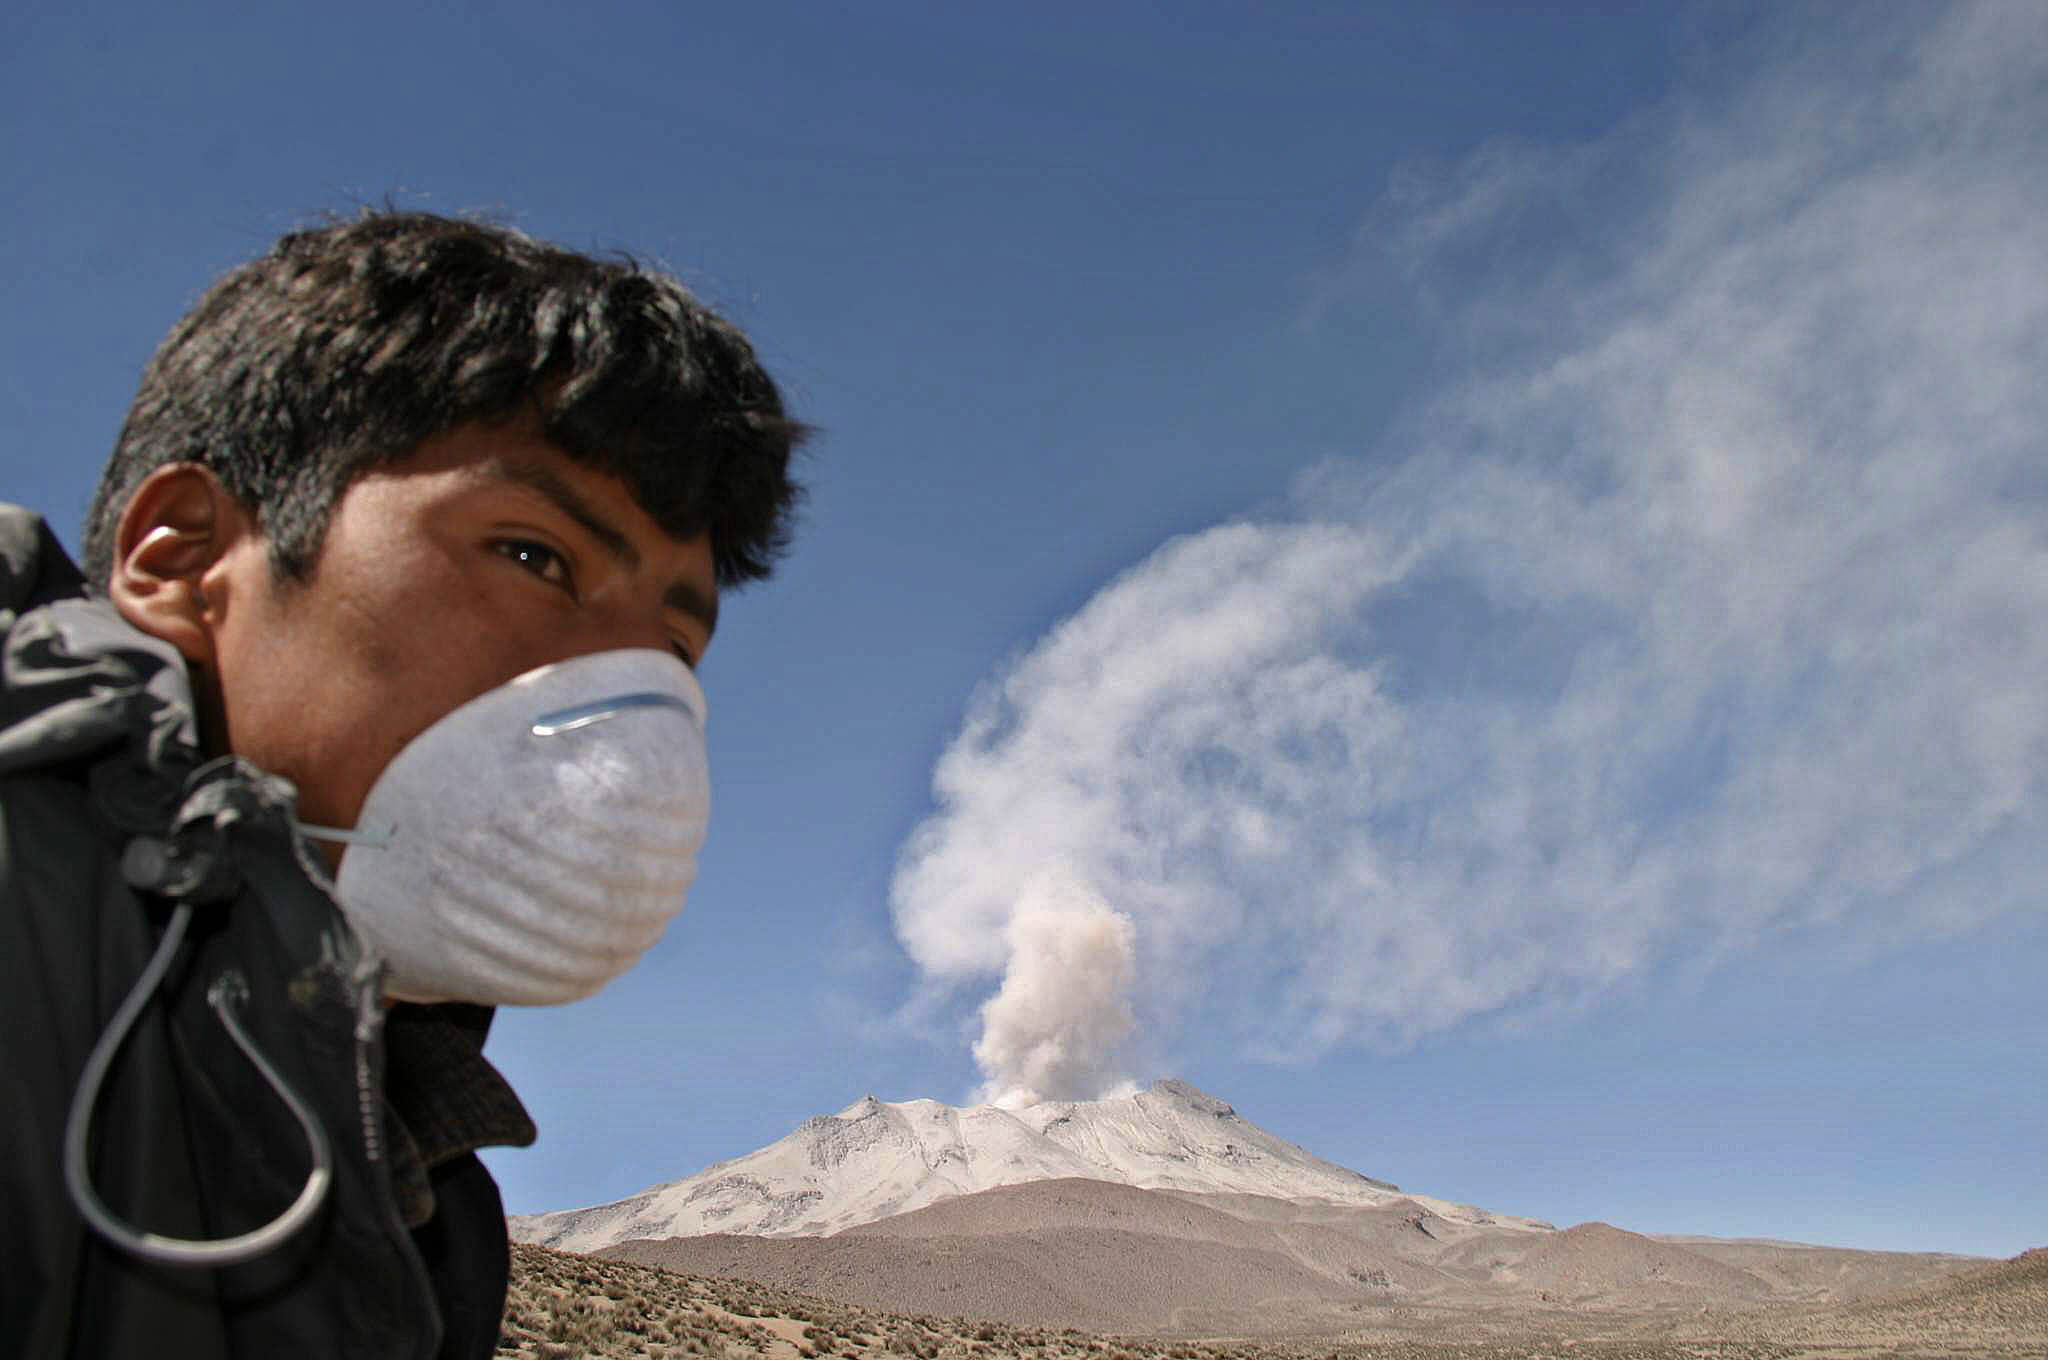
<point x="485" y="553"/>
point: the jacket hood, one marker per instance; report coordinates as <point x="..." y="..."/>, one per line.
<point x="80" y="683"/>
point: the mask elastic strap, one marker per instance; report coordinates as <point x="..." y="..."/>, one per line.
<point x="372" y="836"/>
<point x="226" y="996"/>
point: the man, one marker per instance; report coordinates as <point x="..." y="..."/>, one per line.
<point x="373" y="709"/>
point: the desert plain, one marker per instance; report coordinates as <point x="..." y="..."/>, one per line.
<point x="1089" y="1270"/>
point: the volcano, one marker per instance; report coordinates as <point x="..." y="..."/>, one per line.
<point x="876" y="1159"/>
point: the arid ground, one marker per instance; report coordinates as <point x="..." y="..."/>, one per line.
<point x="563" y="1305"/>
<point x="1193" y="1235"/>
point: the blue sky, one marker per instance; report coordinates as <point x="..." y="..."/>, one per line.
<point x="1469" y="580"/>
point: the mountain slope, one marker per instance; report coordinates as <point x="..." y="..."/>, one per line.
<point x="1089" y="1253"/>
<point x="1075" y="1253"/>
<point x="875" y="1159"/>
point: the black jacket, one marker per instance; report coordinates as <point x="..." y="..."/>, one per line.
<point x="109" y="818"/>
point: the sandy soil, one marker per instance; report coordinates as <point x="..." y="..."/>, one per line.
<point x="563" y="1305"/>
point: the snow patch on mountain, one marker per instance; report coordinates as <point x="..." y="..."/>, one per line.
<point x="876" y="1158"/>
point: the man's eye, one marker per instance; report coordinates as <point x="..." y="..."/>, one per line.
<point x="537" y="558"/>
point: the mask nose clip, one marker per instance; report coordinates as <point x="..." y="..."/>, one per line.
<point x="599" y="710"/>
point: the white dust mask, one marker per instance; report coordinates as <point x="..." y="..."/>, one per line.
<point x="531" y="845"/>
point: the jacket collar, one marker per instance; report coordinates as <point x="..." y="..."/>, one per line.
<point x="80" y="683"/>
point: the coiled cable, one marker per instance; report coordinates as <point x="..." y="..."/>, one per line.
<point x="226" y="996"/>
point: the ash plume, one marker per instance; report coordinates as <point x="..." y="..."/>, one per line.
<point x="1052" y="1030"/>
<point x="1707" y="612"/>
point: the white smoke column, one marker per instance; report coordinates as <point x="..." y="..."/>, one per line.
<point x="1712" y="616"/>
<point x="1054" y="1029"/>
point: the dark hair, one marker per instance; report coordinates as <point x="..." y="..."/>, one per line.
<point x="346" y="346"/>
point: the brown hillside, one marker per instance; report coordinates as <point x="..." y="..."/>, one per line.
<point x="1382" y="1250"/>
<point x="1095" y="1254"/>
<point x="2002" y="1304"/>
<point x="1597" y="1264"/>
<point x="1098" y="1278"/>
<point x="1810" y="1274"/>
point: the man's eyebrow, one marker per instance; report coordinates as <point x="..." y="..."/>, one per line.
<point x="570" y="502"/>
<point x="680" y="596"/>
<point x="685" y="597"/>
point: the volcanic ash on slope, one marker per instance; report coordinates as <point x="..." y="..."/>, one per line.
<point x="876" y="1158"/>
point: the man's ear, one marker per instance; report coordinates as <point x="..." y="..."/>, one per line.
<point x="177" y="528"/>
